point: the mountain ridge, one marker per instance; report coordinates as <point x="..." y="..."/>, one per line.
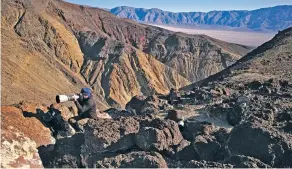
<point x="270" y="60"/>
<point x="276" y="18"/>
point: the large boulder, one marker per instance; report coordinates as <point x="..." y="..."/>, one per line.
<point x="110" y="135"/>
<point x="184" y="151"/>
<point x="254" y="85"/>
<point x="158" y="135"/>
<point x="235" y="114"/>
<point x="206" y="147"/>
<point x="141" y="105"/>
<point x="284" y="121"/>
<point x="64" y="154"/>
<point x="107" y="136"/>
<point x="138" y="159"/>
<point x="175" y="115"/>
<point x="194" y="128"/>
<point x="136" y="104"/>
<point x="18" y="150"/>
<point x="262" y="142"/>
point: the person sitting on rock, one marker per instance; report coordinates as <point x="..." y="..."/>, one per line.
<point x="86" y="106"/>
<point x="173" y="96"/>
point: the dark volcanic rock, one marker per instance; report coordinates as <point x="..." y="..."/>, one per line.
<point x="240" y="161"/>
<point x="235" y="114"/>
<point x="206" y="147"/>
<point x="136" y="103"/>
<point x="206" y="164"/>
<point x="133" y="160"/>
<point x="141" y="105"/>
<point x="174" y="115"/>
<point x="116" y="114"/>
<point x="64" y="154"/>
<point x="255" y="85"/>
<point x="104" y="137"/>
<point x="109" y="135"/>
<point x="158" y="135"/>
<point x="262" y="142"/>
<point x="184" y="151"/>
<point x="194" y="128"/>
<point x="221" y="135"/>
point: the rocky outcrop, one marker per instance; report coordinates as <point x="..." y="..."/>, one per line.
<point x="240" y="161"/>
<point x="28" y="122"/>
<point x="206" y="164"/>
<point x="17" y="150"/>
<point x="273" y="149"/>
<point x="111" y="135"/>
<point x="158" y="135"/>
<point x="141" y="105"/>
<point x="133" y="160"/>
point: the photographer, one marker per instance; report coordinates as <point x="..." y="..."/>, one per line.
<point x="86" y="106"/>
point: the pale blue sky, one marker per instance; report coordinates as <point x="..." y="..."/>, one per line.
<point x="186" y="5"/>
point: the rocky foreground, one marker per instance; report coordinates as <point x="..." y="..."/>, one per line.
<point x="240" y="117"/>
<point x="244" y="125"/>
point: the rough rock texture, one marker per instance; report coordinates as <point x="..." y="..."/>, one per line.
<point x="261" y="142"/>
<point x="27" y="122"/>
<point x="65" y="153"/>
<point x="206" y="147"/>
<point x="184" y="151"/>
<point x="109" y="135"/>
<point x="174" y="115"/>
<point x="158" y="135"/>
<point x="196" y="57"/>
<point x="17" y="150"/>
<point x="141" y="105"/>
<point x="206" y="164"/>
<point x="240" y="161"/>
<point x="138" y="159"/>
<point x="195" y="128"/>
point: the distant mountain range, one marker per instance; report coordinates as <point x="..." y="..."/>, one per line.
<point x="273" y="18"/>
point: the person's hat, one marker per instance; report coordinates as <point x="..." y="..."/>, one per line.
<point x="86" y="91"/>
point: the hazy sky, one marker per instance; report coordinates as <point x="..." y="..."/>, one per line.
<point x="186" y="5"/>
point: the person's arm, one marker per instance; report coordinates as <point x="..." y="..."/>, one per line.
<point x="84" y="108"/>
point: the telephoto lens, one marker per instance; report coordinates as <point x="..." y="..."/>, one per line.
<point x="65" y="98"/>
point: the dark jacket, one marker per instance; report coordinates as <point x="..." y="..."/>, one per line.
<point x="86" y="107"/>
<point x="55" y="121"/>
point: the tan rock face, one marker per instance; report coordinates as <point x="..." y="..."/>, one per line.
<point x="142" y="73"/>
<point x="17" y="150"/>
<point x="30" y="126"/>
